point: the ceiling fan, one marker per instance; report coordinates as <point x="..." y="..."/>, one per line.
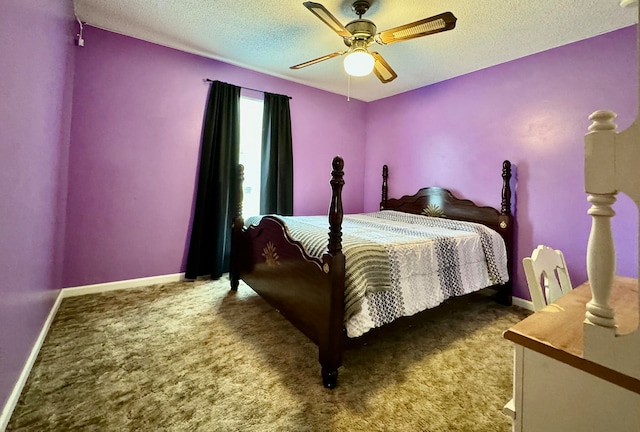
<point x="360" y="33"/>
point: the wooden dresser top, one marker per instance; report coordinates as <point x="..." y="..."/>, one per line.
<point x="561" y="324"/>
<point x="558" y="330"/>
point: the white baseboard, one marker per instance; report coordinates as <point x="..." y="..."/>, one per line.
<point x="525" y="304"/>
<point x="118" y="285"/>
<point x="64" y="293"/>
<point x="26" y="370"/>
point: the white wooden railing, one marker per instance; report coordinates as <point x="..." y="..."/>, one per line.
<point x="612" y="165"/>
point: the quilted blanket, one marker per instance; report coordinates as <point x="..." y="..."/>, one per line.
<point x="387" y="252"/>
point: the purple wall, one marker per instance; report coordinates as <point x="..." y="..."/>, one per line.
<point x="36" y="48"/>
<point x="135" y="140"/>
<point x="105" y="192"/>
<point x="533" y="111"/>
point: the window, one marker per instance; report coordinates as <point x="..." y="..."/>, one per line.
<point x="250" y="152"/>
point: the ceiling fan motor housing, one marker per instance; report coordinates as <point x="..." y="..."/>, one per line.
<point x="361" y="29"/>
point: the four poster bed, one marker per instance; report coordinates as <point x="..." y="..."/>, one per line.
<point x="412" y="255"/>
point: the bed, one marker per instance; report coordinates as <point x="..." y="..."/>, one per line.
<point x="339" y="287"/>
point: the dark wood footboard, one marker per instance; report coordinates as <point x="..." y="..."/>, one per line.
<point x="308" y="291"/>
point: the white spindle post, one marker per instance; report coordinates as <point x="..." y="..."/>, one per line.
<point x="601" y="260"/>
<point x="600" y="185"/>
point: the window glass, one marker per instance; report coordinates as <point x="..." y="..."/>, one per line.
<point x="250" y="151"/>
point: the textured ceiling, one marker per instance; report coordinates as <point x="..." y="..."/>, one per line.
<point x="271" y="35"/>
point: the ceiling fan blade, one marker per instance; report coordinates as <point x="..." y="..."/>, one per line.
<point x="318" y="60"/>
<point x="435" y="24"/>
<point x="382" y="69"/>
<point x="321" y="12"/>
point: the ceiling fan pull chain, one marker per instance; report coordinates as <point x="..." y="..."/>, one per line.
<point x="348" y="88"/>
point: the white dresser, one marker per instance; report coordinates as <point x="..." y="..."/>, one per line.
<point x="555" y="387"/>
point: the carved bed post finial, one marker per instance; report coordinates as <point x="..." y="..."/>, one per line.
<point x="385" y="187"/>
<point x="506" y="230"/>
<point x="506" y="188"/>
<point x="335" y="209"/>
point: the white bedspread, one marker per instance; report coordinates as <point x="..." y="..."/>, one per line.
<point x="430" y="260"/>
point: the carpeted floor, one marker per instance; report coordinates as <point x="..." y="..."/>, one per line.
<point x="194" y="356"/>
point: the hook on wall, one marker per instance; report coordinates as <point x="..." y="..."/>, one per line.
<point x="79" y="40"/>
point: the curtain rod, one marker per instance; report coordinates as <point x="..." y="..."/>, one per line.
<point x="248" y="88"/>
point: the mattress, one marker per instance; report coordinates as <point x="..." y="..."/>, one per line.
<point x="398" y="264"/>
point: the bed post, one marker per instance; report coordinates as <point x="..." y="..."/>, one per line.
<point x="236" y="232"/>
<point x="385" y="187"/>
<point x="330" y="348"/>
<point x="504" y="295"/>
<point x="335" y="208"/>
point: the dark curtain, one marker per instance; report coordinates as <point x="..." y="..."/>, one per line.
<point x="276" y="186"/>
<point x="216" y="201"/>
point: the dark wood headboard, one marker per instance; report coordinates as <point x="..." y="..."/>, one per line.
<point x="439" y="202"/>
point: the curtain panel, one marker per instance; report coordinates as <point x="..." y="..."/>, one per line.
<point x="216" y="200"/>
<point x="276" y="186"/>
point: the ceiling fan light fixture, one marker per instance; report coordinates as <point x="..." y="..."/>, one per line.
<point x="359" y="62"/>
